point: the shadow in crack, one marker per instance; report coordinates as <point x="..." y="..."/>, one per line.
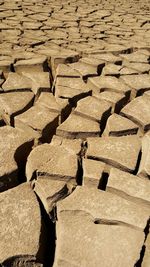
<point x="138" y="163"/>
<point x="142" y="253"/>
<point x="21" y="155"/>
<point x="103" y="181"/>
<point x="50" y="236"/>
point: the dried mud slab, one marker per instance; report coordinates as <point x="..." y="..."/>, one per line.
<point x="39" y="121"/>
<point x="13" y="104"/>
<point x="92" y="172"/>
<point x="93" y="109"/>
<point x="116" y="100"/>
<point x="119" y="152"/>
<point x="138" y="111"/>
<point x="40" y="81"/>
<point x="72" y="89"/>
<point x="140" y="83"/>
<point x="129" y="186"/>
<point x="21" y="220"/>
<point x="78" y="127"/>
<point x="119" y="126"/>
<point x="108" y="83"/>
<point x="74" y="133"/>
<point x="57" y="163"/>
<point x="37" y="64"/>
<point x="16" y="82"/>
<point x="103" y="244"/>
<point x="106" y="206"/>
<point x="15" y="147"/>
<point x="57" y="105"/>
<point x="50" y="191"/>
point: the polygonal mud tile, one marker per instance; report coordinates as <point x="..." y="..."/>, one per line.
<point x="15" y="147"/>
<point x="36" y="64"/>
<point x="128" y="186"/>
<point x="40" y="81"/>
<point x="135" y="57"/>
<point x="93" y="109"/>
<point x="51" y="191"/>
<point x="13" y="104"/>
<point x="138" y="67"/>
<point x="71" y="88"/>
<point x="78" y="127"/>
<point x="98" y="63"/>
<point x="61" y="56"/>
<point x="111" y="70"/>
<point x="138" y="110"/>
<point x="108" y="57"/>
<point x="72" y="145"/>
<point x="138" y="83"/>
<point x="104" y="245"/>
<point x="127" y="71"/>
<point x="85" y="70"/>
<point x="5" y="66"/>
<point x="92" y="172"/>
<point x="118" y="126"/>
<point x="106" y="207"/>
<point x="57" y="105"/>
<point x="120" y="152"/>
<point x="117" y="100"/>
<point x="66" y="71"/>
<point x="21" y="216"/>
<point x="117" y="49"/>
<point x="107" y="83"/>
<point x="57" y="163"/>
<point x="38" y="120"/>
<point x="16" y="82"/>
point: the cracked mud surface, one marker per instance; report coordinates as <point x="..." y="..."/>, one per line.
<point x="74" y="133"/>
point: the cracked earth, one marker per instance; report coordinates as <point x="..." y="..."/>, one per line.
<point x="74" y="133"/>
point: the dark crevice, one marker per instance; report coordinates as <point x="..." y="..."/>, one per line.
<point x="104" y="119"/>
<point x="79" y="177"/>
<point x="85" y="77"/>
<point x="114" y="223"/>
<point x="73" y="101"/>
<point x="118" y="62"/>
<point x="50" y="236"/>
<point x="111" y="163"/>
<point x="2" y="123"/>
<point x="12" y="68"/>
<point x="81" y="155"/>
<point x="139" y="262"/>
<point x="20" y="157"/>
<point x="83" y="150"/>
<point x="49" y="131"/>
<point x="113" y="75"/>
<point x="37" y="44"/>
<point x="134" y="121"/>
<point x="103" y="181"/>
<point x="9" y="181"/>
<point x="28" y="106"/>
<point x="142" y="91"/>
<point x="100" y="69"/>
<point x="145" y="22"/>
<point x="147" y="229"/>
<point x="138" y="163"/>
<point x="21" y="260"/>
<point x="142" y="253"/>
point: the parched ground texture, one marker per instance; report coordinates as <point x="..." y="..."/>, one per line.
<point x="74" y="133"/>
